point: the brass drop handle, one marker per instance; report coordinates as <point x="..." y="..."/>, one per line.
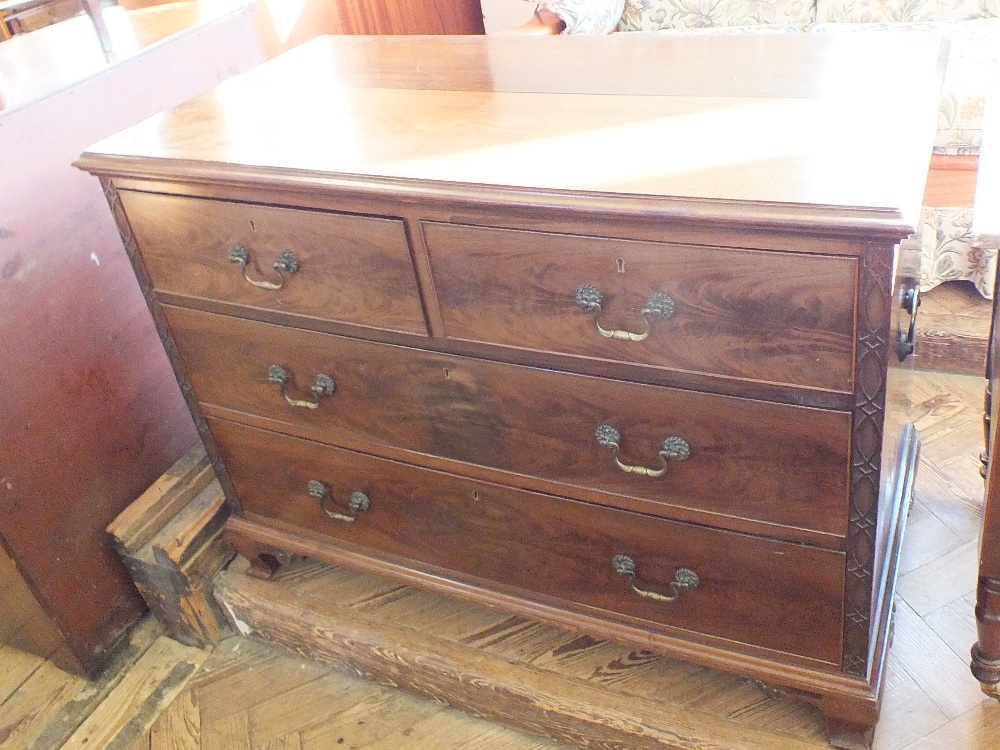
<point x="907" y="341"/>
<point x="323" y="385"/>
<point x="659" y="305"/>
<point x="684" y="578"/>
<point x="674" y="449"/>
<point x="358" y="503"/>
<point x="286" y="263"/>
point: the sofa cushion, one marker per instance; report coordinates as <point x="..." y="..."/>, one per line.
<point x="585" y="16"/>
<point x="660" y="15"/>
<point x="973" y="71"/>
<point x="948" y="251"/>
<point x="895" y="11"/>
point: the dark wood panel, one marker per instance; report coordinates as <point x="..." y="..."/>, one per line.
<point x="781" y="596"/>
<point x="409" y="16"/>
<point x="533" y="422"/>
<point x="353" y="269"/>
<point x="91" y="411"/>
<point x="776" y="317"/>
<point x="283" y="26"/>
<point x="951" y="180"/>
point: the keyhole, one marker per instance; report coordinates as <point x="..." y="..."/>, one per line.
<point x="621" y="265"/>
<point x="475" y="496"/>
<point x="447" y="374"/>
<point x="253" y="227"/>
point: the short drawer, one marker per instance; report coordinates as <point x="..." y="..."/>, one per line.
<point x="339" y="267"/>
<point x="780" y="596"/>
<point x="774" y="317"/>
<point x="747" y="461"/>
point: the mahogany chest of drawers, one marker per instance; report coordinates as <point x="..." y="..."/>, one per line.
<point x="602" y="331"/>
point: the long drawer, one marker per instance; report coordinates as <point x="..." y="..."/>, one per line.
<point x="331" y="266"/>
<point x="781" y="596"/>
<point x="773" y="317"/>
<point x="744" y="459"/>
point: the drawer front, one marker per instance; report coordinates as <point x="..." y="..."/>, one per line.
<point x="757" y="591"/>
<point x="773" y="317"/>
<point x="753" y="460"/>
<point x="350" y="269"/>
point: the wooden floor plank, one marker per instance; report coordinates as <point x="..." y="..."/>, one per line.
<point x="938" y="582"/>
<point x="179" y="726"/>
<point x="26" y="715"/>
<point x="18" y="667"/>
<point x="288" y="742"/>
<point x="955" y="624"/>
<point x="977" y="729"/>
<point x="927" y="537"/>
<point x="229" y="732"/>
<point x="135" y="703"/>
<point x="296" y="709"/>
<point x="77" y="708"/>
<point x="942" y="675"/>
<point x="908" y="712"/>
<point x="373" y="714"/>
<point x="258" y="680"/>
<point x="230" y="659"/>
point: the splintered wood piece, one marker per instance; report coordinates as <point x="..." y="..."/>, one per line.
<point x="140" y="521"/>
<point x="170" y="539"/>
<point x="192" y="527"/>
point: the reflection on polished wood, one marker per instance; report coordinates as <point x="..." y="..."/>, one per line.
<point x="35" y="65"/>
<point x="481" y="116"/>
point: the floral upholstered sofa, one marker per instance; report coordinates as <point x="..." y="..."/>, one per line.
<point x="949" y="251"/>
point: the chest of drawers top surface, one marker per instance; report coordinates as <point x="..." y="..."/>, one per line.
<point x="795" y="127"/>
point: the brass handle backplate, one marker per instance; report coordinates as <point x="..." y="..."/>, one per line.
<point x="358" y="502"/>
<point x="674" y="449"/>
<point x="323" y="385"/>
<point x="286" y="265"/>
<point x="684" y="578"/>
<point x="906" y="342"/>
<point x="659" y="305"/>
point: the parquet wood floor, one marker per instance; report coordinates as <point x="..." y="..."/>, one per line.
<point x="249" y="696"/>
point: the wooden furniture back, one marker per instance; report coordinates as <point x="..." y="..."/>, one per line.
<point x="91" y="411"/>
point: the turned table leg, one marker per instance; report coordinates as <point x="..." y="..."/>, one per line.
<point x="986" y="651"/>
